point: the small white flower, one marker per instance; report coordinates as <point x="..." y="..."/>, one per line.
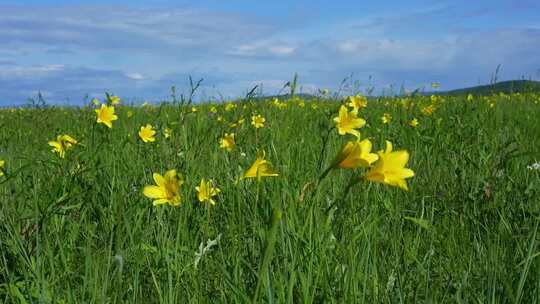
<point x="535" y="166"/>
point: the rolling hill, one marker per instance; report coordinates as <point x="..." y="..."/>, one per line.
<point x="507" y="87"/>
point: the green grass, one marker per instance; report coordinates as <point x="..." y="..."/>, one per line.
<point x="79" y="230"/>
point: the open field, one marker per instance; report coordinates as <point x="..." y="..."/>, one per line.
<point x="79" y="229"/>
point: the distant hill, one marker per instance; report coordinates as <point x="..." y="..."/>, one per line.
<point x="507" y="87"/>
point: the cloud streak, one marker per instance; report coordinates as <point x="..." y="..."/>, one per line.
<point x="120" y="28"/>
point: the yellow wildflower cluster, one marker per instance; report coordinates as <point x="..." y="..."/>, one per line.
<point x="387" y="167"/>
<point x="279" y="104"/>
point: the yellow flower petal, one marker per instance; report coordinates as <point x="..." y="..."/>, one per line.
<point x="160" y="201"/>
<point x="160" y="181"/>
<point x="153" y="192"/>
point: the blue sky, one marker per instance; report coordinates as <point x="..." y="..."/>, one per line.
<point x="139" y="49"/>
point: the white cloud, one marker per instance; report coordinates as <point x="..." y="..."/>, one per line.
<point x="110" y="28"/>
<point x="264" y="48"/>
<point x="282" y="50"/>
<point x="402" y="53"/>
<point x="27" y="71"/>
<point x="135" y="76"/>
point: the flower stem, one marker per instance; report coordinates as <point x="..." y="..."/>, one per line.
<point x="353" y="181"/>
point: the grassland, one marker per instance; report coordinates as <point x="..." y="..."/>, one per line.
<point x="79" y="229"/>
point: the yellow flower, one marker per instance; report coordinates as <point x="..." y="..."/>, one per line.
<point x="167" y="189"/>
<point x="470" y="97"/>
<point x="405" y="102"/>
<point x="105" y="115"/>
<point x="193" y="109"/>
<point x="355" y="154"/>
<point x="413" y="123"/>
<point x="257" y="121"/>
<point x="301" y="103"/>
<point x="278" y="104"/>
<point x="347" y="122"/>
<point x="129" y="114"/>
<point x="357" y="102"/>
<point x="213" y="109"/>
<point x="227" y="142"/>
<point x="220" y="118"/>
<point x="386" y="118"/>
<point x="2" y="167"/>
<point x="428" y="111"/>
<point x="147" y="133"/>
<point x="390" y="169"/>
<point x="114" y="100"/>
<point x="230" y="106"/>
<point x="167" y="133"/>
<point x="260" y="168"/>
<point x="205" y="192"/>
<point x="241" y="121"/>
<point x="62" y="144"/>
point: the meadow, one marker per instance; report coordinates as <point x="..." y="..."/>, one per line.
<point x="87" y="220"/>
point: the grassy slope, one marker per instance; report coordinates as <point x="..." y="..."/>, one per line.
<point x="506" y="87"/>
<point x="87" y="234"/>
